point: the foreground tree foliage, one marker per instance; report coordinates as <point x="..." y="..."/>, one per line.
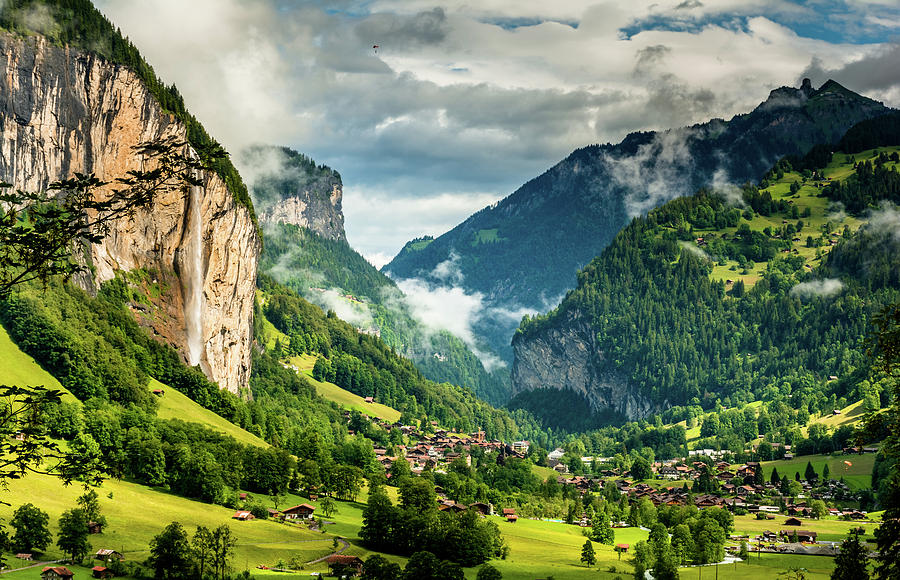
<point x="31" y="528"/>
<point x="852" y="563"/>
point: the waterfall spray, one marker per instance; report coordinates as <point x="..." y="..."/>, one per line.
<point x="193" y="279"/>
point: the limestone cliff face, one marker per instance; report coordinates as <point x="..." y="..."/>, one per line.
<point x="62" y="111"/>
<point x="566" y="356"/>
<point x="321" y="214"/>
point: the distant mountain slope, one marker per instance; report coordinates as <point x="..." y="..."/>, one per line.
<point x="702" y="301"/>
<point x="524" y="251"/>
<point x="332" y="275"/>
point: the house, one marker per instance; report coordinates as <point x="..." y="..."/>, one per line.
<point x="159" y="392"/>
<point x="512" y="518"/>
<point x="484" y="509"/>
<point x="56" y="573"/>
<point x="342" y="564"/>
<point x="793" y="522"/>
<point x="24" y="557"/>
<point x="304" y="511"/>
<point x="95" y="528"/>
<point x="369" y="399"/>
<point x="242" y="515"/>
<point x="622" y="548"/>
<point x="101" y="572"/>
<point x="509" y="512"/>
<point x="106" y="555"/>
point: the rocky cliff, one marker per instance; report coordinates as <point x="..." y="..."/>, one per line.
<point x="567" y="356"/>
<point x="64" y="110"/>
<point x="290" y="188"/>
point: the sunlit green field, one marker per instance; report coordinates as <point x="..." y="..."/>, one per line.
<point x="342" y="397"/>
<point x="858" y="475"/>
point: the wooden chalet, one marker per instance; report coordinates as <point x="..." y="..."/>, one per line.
<point x="101" y="572"/>
<point x="622" y="548"/>
<point x="95" y="528"/>
<point x="793" y="522"/>
<point x="484" y="509"/>
<point x="107" y="554"/>
<point x="56" y="573"/>
<point x="342" y="564"/>
<point x="509" y="512"/>
<point x="25" y="556"/>
<point x="802" y="535"/>
<point x="243" y="516"/>
<point x="512" y="518"/>
<point x="304" y="511"/>
<point x="159" y="392"/>
<point x="452" y="507"/>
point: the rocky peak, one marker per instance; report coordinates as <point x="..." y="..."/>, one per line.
<point x="288" y="187"/>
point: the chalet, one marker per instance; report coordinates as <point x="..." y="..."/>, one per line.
<point x="452" y="507"/>
<point x="793" y="522"/>
<point x="484" y="509"/>
<point x="101" y="572"/>
<point x="243" y="515"/>
<point x="521" y="446"/>
<point x="512" y="518"/>
<point x="273" y="513"/>
<point x="107" y="554"/>
<point x="369" y="399"/>
<point x="509" y="512"/>
<point x="95" y="528"/>
<point x="342" y="564"/>
<point x="802" y="535"/>
<point x="159" y="392"/>
<point x="622" y="548"/>
<point x="56" y="573"/>
<point x="25" y="556"/>
<point x="242" y="496"/>
<point x="304" y="511"/>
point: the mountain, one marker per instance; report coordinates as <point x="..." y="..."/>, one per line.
<point x="712" y="300"/>
<point x="79" y="99"/>
<point x="305" y="249"/>
<point x="523" y="252"/>
<point x="290" y="188"/>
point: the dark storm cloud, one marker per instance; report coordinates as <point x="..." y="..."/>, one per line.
<point x="392" y="31"/>
<point x="877" y="71"/>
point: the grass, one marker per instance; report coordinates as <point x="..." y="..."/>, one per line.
<point x="828" y="528"/>
<point x="486" y="237"/>
<point x="850" y="414"/>
<point x="763" y="566"/>
<point x="342" y="397"/>
<point x="175" y="405"/>
<point x="19" y="369"/>
<point x="858" y="475"/>
<point x="136" y="513"/>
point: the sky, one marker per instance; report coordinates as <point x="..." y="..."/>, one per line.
<point x="463" y="102"/>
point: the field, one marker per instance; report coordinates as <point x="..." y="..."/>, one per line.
<point x="763" y="566"/>
<point x="136" y="513"/>
<point x="175" y="405"/>
<point x="19" y="369"/>
<point x="829" y="529"/>
<point x="858" y="475"/>
<point x="342" y="397"/>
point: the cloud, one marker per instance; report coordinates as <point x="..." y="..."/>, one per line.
<point x="875" y="73"/>
<point x="885" y="221"/>
<point x="695" y="250"/>
<point x="474" y="99"/>
<point x="823" y="288"/>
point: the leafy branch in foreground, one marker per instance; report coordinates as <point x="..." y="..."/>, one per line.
<point x="39" y="230"/>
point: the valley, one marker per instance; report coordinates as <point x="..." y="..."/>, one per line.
<point x="203" y="378"/>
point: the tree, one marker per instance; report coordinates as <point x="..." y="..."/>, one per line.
<point x="810" y="473"/>
<point x="327" y="505"/>
<point x="90" y="503"/>
<point x="202" y="550"/>
<point x="818" y="509"/>
<point x="378" y="568"/>
<point x="775" y="479"/>
<point x="378" y="522"/>
<point x="643" y="559"/>
<point x="31" y="531"/>
<point x="682" y="543"/>
<point x="640" y="469"/>
<point x="170" y="554"/>
<point x="72" y="538"/>
<point x="602" y="530"/>
<point x="588" y="556"/>
<point x="223" y="543"/>
<point x="852" y="561"/>
<point x="825" y="472"/>
<point x="744" y="552"/>
<point x="488" y="572"/>
<point x="884" y="348"/>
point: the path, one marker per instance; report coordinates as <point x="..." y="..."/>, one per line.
<point x="34" y="565"/>
<point x="345" y="545"/>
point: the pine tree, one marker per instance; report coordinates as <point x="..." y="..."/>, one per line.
<point x="852" y="562"/>
<point x="588" y="556"/>
<point x="810" y="473"/>
<point x="774" y="479"/>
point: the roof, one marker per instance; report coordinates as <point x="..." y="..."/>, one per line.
<point x="61" y="570"/>
<point x="99" y="568"/>
<point x="622" y="546"/>
<point x="301" y="507"/>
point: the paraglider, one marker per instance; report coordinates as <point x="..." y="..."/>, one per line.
<point x="847" y="464"/>
<point x="375" y="48"/>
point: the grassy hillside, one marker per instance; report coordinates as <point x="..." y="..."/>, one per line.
<point x="19" y="369"/>
<point x="175" y="405"/>
<point x="136" y="513"/>
<point x="342" y="397"/>
<point x="858" y="475"/>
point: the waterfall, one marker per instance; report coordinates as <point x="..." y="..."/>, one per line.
<point x="193" y="279"/>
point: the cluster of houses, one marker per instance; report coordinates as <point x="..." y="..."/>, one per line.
<point x="101" y="571"/>
<point x="304" y="511"/>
